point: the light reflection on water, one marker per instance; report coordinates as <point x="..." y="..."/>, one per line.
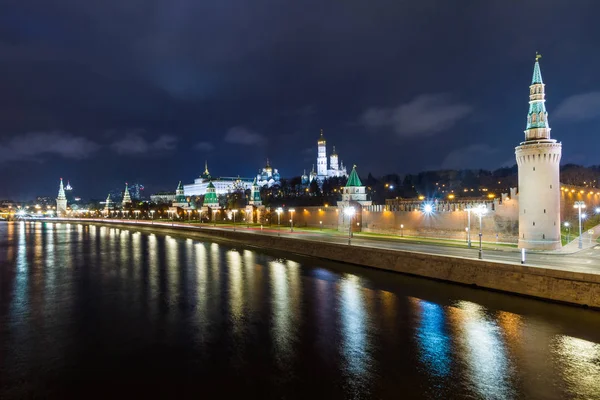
<point x="81" y="298"/>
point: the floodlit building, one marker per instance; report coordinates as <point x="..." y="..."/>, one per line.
<point x="61" y="201"/>
<point x="538" y="158"/>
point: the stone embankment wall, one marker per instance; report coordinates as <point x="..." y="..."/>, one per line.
<point x="563" y="286"/>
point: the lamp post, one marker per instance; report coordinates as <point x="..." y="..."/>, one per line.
<point x="214" y="213"/>
<point x="468" y="225"/>
<point x="401" y="230"/>
<point x="568" y="226"/>
<point x="480" y="211"/>
<point x="234" y="212"/>
<point x="292" y="219"/>
<point x="349" y="211"/>
<point x="279" y="211"/>
<point x="579" y="205"/>
<point x="137" y="214"/>
<point x="320" y="225"/>
<point x="189" y="215"/>
<point x="152" y="213"/>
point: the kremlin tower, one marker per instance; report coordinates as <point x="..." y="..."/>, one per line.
<point x="538" y="158"/>
<point x="126" y="196"/>
<point x="61" y="201"/>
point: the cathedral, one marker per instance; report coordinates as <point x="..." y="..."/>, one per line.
<point x="336" y="169"/>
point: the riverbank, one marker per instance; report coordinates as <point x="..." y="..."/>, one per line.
<point x="576" y="288"/>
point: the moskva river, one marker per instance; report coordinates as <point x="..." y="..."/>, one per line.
<point x="90" y="312"/>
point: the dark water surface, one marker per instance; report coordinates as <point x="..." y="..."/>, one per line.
<point x="91" y="311"/>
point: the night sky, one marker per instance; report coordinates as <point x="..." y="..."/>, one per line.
<point x="103" y="92"/>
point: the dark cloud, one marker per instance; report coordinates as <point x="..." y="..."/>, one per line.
<point x="471" y="156"/>
<point x="134" y="143"/>
<point x="33" y="146"/>
<point x="425" y="115"/>
<point x="579" y="107"/>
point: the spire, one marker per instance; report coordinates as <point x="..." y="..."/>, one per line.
<point x="126" y="196"/>
<point x="61" y="191"/>
<point x="334" y="153"/>
<point x="353" y="180"/>
<point x="537" y="74"/>
<point x="206" y="167"/>
<point x="537" y="117"/>
<point x="108" y="203"/>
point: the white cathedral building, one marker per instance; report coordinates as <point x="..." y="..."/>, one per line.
<point x="335" y="169"/>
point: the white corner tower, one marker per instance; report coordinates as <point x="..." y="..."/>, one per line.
<point x="61" y="201"/>
<point x="538" y="158"/>
<point x="322" y="158"/>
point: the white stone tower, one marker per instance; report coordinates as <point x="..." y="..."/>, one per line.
<point x="126" y="197"/>
<point x="538" y="158"/>
<point x="322" y="158"/>
<point x="333" y="160"/>
<point x="61" y="201"/>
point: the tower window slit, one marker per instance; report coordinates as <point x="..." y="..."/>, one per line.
<point x="533" y="223"/>
<point x="544" y="211"/>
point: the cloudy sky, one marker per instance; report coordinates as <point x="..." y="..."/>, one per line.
<point x="111" y="91"/>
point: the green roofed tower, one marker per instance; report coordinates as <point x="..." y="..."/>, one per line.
<point x="537" y="117"/>
<point x="126" y="196"/>
<point x="353" y="179"/>
<point x="210" y="198"/>
<point x="538" y="159"/>
<point x="255" y="199"/>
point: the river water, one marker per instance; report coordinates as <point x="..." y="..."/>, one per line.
<point x="90" y="311"/>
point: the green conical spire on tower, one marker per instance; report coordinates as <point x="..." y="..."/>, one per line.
<point x="61" y="191"/>
<point x="255" y="194"/>
<point x="126" y="196"/>
<point x="210" y="198"/>
<point x="537" y="117"/>
<point x="179" y="194"/>
<point x="353" y="179"/>
<point x="537" y="74"/>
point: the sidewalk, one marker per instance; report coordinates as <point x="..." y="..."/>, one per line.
<point x="588" y="241"/>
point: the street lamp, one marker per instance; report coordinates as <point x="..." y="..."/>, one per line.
<point x="579" y="205"/>
<point x="189" y="215"/>
<point x="349" y="211"/>
<point x="152" y="213"/>
<point x="292" y="219"/>
<point x="480" y="210"/>
<point x="401" y="230"/>
<point x="468" y="209"/>
<point x="214" y="213"/>
<point x="568" y="226"/>
<point x="320" y="225"/>
<point x="279" y="211"/>
<point x="137" y="214"/>
<point x="234" y="212"/>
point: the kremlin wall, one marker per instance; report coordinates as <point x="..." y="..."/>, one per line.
<point x="447" y="219"/>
